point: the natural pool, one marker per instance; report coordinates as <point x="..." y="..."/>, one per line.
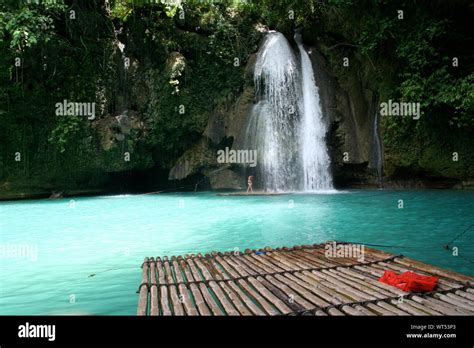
<point x="68" y="240"/>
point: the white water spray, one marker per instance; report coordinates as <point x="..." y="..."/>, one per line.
<point x="314" y="152"/>
<point x="276" y="81"/>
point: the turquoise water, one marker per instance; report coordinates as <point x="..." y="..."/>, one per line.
<point x="110" y="236"/>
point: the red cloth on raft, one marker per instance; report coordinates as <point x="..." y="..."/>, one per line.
<point x="409" y="281"/>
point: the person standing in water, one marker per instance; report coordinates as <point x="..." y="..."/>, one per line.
<point x="250" y="184"/>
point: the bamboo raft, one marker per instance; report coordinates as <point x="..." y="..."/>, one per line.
<point x="294" y="281"/>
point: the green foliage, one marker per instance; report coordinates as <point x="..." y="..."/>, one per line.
<point x="197" y="63"/>
<point x="283" y="15"/>
<point x="461" y="96"/>
<point x="28" y="25"/>
<point x="59" y="59"/>
<point x="420" y="48"/>
<point x="67" y="129"/>
<point x="121" y="9"/>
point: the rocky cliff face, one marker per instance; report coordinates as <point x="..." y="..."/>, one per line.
<point x="226" y="127"/>
<point x="350" y="107"/>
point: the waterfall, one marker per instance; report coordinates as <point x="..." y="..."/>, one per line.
<point x="276" y="81"/>
<point x="377" y="145"/>
<point x="286" y="126"/>
<point x="314" y="153"/>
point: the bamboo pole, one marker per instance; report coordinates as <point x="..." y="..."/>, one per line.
<point x="298" y="261"/>
<point x="462" y="299"/>
<point x="208" y="298"/>
<point x="260" y="290"/>
<point x="287" y="299"/>
<point x="284" y="262"/>
<point x="236" y="264"/>
<point x="274" y="286"/>
<point x="365" y="289"/>
<point x="199" y="300"/>
<point x="240" y="267"/>
<point x="421" y="307"/>
<point x="249" y="302"/>
<point x="317" y="262"/>
<point x="222" y="273"/>
<point x="194" y="271"/>
<point x="303" y="289"/>
<point x="169" y="274"/>
<point x="275" y="301"/>
<point x="363" y="310"/>
<point x="177" y="270"/>
<point x="430" y="304"/>
<point x="160" y="271"/>
<point x="407" y="308"/>
<point x="290" y="293"/>
<point x="280" y="259"/>
<point x="327" y="262"/>
<point x="215" y="309"/>
<point x="377" y="273"/>
<point x="447" y="308"/>
<point x="249" y="266"/>
<point x="303" y="261"/>
<point x="316" y="286"/>
<point x="459" y="304"/>
<point x="164" y="300"/>
<point x="232" y="273"/>
<point x="176" y="302"/>
<point x="391" y="308"/>
<point x="216" y="274"/>
<point x="335" y="261"/>
<point x="204" y="271"/>
<point x="269" y="308"/>
<point x="186" y="269"/>
<point x="344" y="288"/>
<point x="379" y="254"/>
<point x="379" y="309"/>
<point x="441" y="301"/>
<point x="143" y="295"/>
<point x="235" y="299"/>
<point x="389" y="290"/>
<point x="367" y="283"/>
<point x="465" y="295"/>
<point x="226" y="304"/>
<point x="188" y="304"/>
<point x="335" y="312"/>
<point x="266" y="261"/>
<point x="154" y="310"/>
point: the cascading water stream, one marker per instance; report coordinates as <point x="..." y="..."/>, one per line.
<point x="377" y="145"/>
<point x="315" y="158"/>
<point x="273" y="133"/>
<point x="286" y="126"/>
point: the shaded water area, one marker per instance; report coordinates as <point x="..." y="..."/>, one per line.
<point x="89" y="251"/>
